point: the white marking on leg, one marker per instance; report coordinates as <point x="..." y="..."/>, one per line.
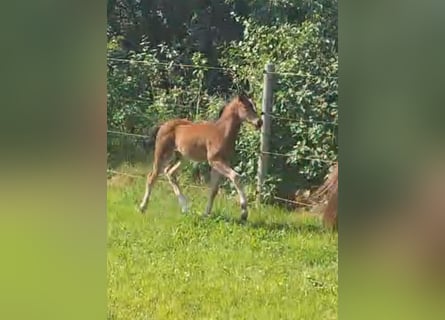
<point x="242" y="198"/>
<point x="183" y="203"/>
<point x="145" y="199"/>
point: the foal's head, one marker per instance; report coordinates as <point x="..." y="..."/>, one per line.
<point x="246" y="110"/>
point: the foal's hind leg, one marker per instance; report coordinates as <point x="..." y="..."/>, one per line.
<point x="158" y="164"/>
<point x="170" y="173"/>
<point x="151" y="179"/>
<point x="229" y="173"/>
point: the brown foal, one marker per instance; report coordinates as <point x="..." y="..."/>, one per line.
<point x="211" y="141"/>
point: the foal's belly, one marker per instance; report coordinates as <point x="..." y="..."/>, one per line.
<point x="196" y="151"/>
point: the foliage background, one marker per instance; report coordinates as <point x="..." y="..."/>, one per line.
<point x="229" y="42"/>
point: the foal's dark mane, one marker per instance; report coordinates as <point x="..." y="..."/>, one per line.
<point x="222" y="110"/>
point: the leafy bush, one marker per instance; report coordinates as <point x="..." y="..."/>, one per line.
<point x="305" y="112"/>
<point x="156" y="86"/>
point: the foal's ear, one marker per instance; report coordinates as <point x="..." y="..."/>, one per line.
<point x="241" y="95"/>
<point x="241" y="89"/>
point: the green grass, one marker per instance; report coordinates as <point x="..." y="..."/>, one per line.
<point x="165" y="265"/>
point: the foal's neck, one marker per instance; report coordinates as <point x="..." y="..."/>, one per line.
<point x="230" y="124"/>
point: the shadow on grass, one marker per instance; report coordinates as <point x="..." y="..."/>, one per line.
<point x="297" y="227"/>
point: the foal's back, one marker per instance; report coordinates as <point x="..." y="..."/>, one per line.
<point x="192" y="139"/>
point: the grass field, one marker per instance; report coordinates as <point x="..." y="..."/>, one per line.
<point x="166" y="265"/>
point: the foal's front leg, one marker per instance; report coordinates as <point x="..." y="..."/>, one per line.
<point x="215" y="178"/>
<point x="229" y="173"/>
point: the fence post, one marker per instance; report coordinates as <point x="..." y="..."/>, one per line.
<point x="265" y="130"/>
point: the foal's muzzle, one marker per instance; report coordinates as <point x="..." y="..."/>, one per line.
<point x="258" y="124"/>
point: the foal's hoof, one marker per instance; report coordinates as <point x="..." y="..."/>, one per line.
<point x="184" y="210"/>
<point x="141" y="210"/>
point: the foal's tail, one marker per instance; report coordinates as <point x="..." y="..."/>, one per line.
<point x="154" y="132"/>
<point x="150" y="139"/>
<point x="162" y="139"/>
<point x="168" y="128"/>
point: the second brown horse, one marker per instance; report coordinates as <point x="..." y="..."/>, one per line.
<point x="211" y="141"/>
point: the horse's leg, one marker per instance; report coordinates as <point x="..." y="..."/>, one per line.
<point x="170" y="173"/>
<point x="151" y="179"/>
<point x="229" y="173"/>
<point x="215" y="178"/>
<point x="160" y="161"/>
